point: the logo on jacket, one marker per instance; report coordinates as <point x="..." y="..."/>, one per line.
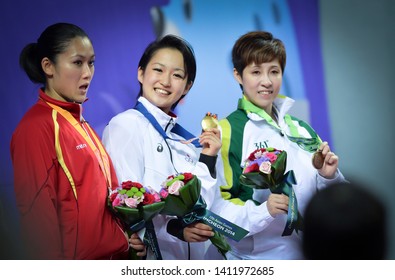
<point x="189" y="159"/>
<point x="260" y="145"/>
<point x="80" y="146"/>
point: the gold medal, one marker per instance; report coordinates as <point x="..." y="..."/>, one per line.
<point x="209" y="121"/>
<point x="318" y="159"/>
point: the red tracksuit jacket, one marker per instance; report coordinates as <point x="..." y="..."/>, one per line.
<point x="58" y="222"/>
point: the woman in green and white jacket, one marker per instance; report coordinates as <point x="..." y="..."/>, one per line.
<point x="261" y="121"/>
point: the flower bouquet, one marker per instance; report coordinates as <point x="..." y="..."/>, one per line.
<point x="264" y="169"/>
<point x="136" y="206"/>
<point x="183" y="199"/>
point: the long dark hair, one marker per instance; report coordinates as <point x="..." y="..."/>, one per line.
<point x="53" y="41"/>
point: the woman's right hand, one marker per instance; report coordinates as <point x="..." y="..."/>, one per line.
<point x="277" y="204"/>
<point x="211" y="141"/>
<point x="138" y="245"/>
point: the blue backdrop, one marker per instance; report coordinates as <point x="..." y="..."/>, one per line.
<point x="121" y="29"/>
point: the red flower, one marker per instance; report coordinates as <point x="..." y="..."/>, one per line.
<point x="187" y="177"/>
<point x="251" y="168"/>
<point x="113" y="196"/>
<point x="137" y="185"/>
<point x="148" y="199"/>
<point x="129" y="184"/>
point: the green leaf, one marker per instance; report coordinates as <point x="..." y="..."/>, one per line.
<point x="151" y="210"/>
<point x="219" y="241"/>
<point x="183" y="203"/>
<point x="135" y="215"/>
<point x="190" y="192"/>
<point x="255" y="180"/>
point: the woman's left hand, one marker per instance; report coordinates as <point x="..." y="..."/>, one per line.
<point x="331" y="162"/>
<point x="138" y="245"/>
<point x="210" y="139"/>
<point x="197" y="232"/>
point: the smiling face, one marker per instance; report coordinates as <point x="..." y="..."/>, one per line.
<point x="68" y="78"/>
<point x="164" y="80"/>
<point x="261" y="83"/>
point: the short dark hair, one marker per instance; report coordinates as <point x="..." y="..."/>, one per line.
<point x="258" y="47"/>
<point x="53" y="41"/>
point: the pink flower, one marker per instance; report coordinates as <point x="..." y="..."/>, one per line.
<point x="132" y="202"/>
<point x="116" y="202"/>
<point x="265" y="167"/>
<point x="272" y="157"/>
<point x="122" y="198"/>
<point x="175" y="187"/>
<point x="163" y="193"/>
<point x="156" y="197"/>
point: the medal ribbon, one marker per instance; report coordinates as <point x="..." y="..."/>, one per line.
<point x="177" y="129"/>
<point x="294" y="218"/>
<point x="307" y="144"/>
<point x="150" y="238"/>
<point x="98" y="150"/>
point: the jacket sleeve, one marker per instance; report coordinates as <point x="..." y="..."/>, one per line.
<point x="246" y="214"/>
<point x="225" y="202"/>
<point x="323" y="182"/>
<point x="228" y="165"/>
<point x="124" y="144"/>
<point x="35" y="172"/>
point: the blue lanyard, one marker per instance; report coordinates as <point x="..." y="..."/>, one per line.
<point x="177" y="129"/>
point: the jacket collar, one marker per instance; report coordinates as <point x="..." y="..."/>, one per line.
<point x="166" y="121"/>
<point x="74" y="108"/>
<point x="282" y="104"/>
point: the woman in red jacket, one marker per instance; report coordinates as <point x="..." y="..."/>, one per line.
<point x="62" y="173"/>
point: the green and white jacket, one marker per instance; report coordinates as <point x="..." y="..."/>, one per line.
<point x="245" y="130"/>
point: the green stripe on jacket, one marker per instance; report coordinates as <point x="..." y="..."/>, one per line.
<point x="231" y="152"/>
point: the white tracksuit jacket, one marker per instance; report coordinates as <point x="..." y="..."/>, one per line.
<point x="139" y="153"/>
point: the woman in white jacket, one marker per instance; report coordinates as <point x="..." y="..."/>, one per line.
<point x="144" y="148"/>
<point x="261" y="121"/>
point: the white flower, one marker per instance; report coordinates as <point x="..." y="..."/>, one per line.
<point x="265" y="167"/>
<point x="258" y="154"/>
<point x="175" y="187"/>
